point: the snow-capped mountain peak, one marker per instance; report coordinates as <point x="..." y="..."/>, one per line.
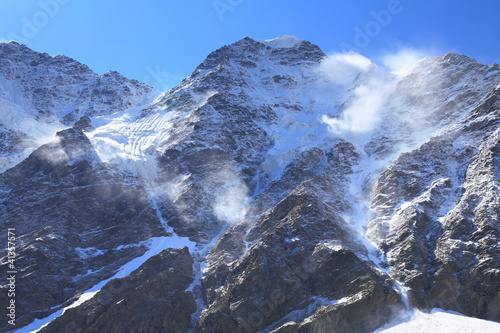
<point x="308" y="190"/>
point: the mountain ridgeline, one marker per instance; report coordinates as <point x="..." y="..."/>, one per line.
<point x="276" y="189"/>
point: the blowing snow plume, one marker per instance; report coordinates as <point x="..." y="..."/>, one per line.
<point x="369" y="86"/>
<point x="231" y="198"/>
<point x="403" y="61"/>
<point x="361" y="114"/>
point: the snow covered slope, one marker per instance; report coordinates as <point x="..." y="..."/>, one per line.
<point x="441" y="321"/>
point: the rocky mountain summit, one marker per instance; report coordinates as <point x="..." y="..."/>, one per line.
<point x="41" y="95"/>
<point x="276" y="189"/>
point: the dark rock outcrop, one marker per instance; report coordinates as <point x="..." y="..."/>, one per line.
<point x="71" y="213"/>
<point x="152" y="298"/>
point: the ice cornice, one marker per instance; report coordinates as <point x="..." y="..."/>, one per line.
<point x="282" y="41"/>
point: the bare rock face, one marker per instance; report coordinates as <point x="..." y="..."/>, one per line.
<point x="223" y="144"/>
<point x="280" y="284"/>
<point x="71" y="213"/>
<point x="442" y="242"/>
<point x="304" y="268"/>
<point x="467" y="277"/>
<point x="153" y="298"/>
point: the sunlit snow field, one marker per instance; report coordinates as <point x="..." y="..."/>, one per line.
<point x="440" y="321"/>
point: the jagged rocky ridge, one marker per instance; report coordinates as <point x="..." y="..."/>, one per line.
<point x="41" y="95"/>
<point x="303" y="221"/>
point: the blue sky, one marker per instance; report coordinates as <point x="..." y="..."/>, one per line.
<point x="162" y="41"/>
